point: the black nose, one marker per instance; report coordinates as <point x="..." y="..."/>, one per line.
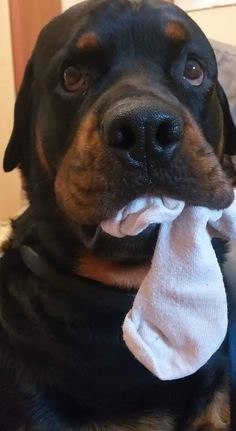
<point x="136" y="130"/>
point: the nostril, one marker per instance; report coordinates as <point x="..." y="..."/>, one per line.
<point x="122" y="137"/>
<point x="168" y="132"/>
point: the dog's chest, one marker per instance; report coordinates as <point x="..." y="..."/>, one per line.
<point x="144" y="424"/>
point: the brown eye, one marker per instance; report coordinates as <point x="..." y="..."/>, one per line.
<point x="194" y="72"/>
<point x="73" y="79"/>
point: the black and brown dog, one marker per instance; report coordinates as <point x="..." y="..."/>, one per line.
<point x="120" y="99"/>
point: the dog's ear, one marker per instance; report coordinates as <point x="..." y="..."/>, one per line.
<point x="229" y="126"/>
<point x="19" y="140"/>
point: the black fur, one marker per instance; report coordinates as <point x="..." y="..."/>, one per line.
<point x="63" y="363"/>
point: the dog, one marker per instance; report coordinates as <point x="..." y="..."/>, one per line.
<point x="119" y="99"/>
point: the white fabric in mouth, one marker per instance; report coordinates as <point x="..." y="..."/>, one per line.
<point x="141" y="213"/>
<point x="179" y="316"/>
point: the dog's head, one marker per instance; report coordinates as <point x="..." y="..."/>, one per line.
<point x="120" y="99"/>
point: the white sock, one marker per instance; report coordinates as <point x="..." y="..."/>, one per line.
<point x="179" y="316"/>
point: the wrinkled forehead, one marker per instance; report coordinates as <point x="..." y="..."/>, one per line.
<point x="141" y="26"/>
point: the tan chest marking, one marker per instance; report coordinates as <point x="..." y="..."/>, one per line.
<point x="143" y="424"/>
<point x="217" y="415"/>
<point x="110" y="273"/>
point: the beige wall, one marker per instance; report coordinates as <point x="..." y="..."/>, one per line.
<point x="68" y="3"/>
<point x="218" y="23"/>
<point x="9" y="183"/>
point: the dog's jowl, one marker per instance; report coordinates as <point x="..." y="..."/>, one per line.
<point x="120" y="100"/>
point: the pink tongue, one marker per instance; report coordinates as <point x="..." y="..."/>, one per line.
<point x="140" y="213"/>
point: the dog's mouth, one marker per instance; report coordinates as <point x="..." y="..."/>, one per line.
<point x="135" y="224"/>
<point x="129" y="249"/>
<point x="134" y="219"/>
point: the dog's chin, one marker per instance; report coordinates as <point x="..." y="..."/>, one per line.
<point x="130" y="249"/>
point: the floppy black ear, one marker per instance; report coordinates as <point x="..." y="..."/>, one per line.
<point x="20" y="136"/>
<point x="229" y="126"/>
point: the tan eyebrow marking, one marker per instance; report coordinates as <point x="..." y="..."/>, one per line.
<point x="88" y="40"/>
<point x="176" y="32"/>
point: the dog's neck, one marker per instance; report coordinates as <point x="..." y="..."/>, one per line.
<point x="64" y="251"/>
<point x="93" y="291"/>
